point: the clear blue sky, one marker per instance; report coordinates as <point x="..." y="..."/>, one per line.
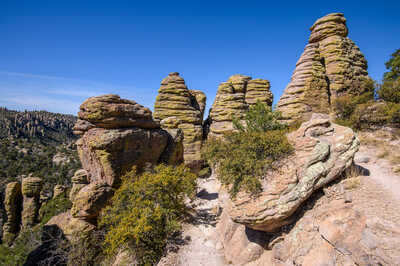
<point x="55" y="54"/>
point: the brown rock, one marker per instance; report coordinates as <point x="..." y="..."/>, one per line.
<point x="330" y="66"/>
<point x="233" y="100"/>
<point x="177" y="107"/>
<point x="323" y="151"/>
<point x="31" y="187"/>
<point x="58" y="190"/>
<point x="79" y="180"/>
<point x="110" y="111"/>
<point x="13" y="207"/>
<point x="71" y="227"/>
<point x="109" y="153"/>
<point x="90" y="200"/>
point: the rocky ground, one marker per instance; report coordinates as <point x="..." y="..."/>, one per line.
<point x="324" y="231"/>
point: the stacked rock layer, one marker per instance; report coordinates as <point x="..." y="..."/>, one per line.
<point x="178" y="107"/>
<point x="233" y="100"/>
<point x="13" y="207"/>
<point x="330" y="66"/>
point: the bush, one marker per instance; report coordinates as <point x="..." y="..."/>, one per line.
<point x="259" y="118"/>
<point x="54" y="206"/>
<point x="243" y="157"/>
<point x="390" y="91"/>
<point x="146" y="210"/>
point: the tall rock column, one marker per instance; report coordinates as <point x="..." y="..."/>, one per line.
<point x="13" y="207"/>
<point x="178" y="107"/>
<point x="233" y="100"/>
<point x="330" y="66"/>
<point x="31" y="187"/>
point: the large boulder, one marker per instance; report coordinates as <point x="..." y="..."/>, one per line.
<point x="233" y="100"/>
<point x="31" y="187"/>
<point x="330" y="66"/>
<point x="178" y="107"/>
<point x="13" y="207"/>
<point x="110" y="111"/>
<point x="322" y="152"/>
<point x="90" y="200"/>
<point x="109" y="153"/>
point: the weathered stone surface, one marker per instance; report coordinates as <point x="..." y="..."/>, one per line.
<point x="81" y="126"/>
<point x="183" y="109"/>
<point x="330" y="66"/>
<point x="90" y="200"/>
<point x="13" y="207"/>
<point x="79" y="180"/>
<point x="337" y="234"/>
<point x="322" y="151"/>
<point x="110" y="111"/>
<point x="31" y="187"/>
<point x="58" y="190"/>
<point x="108" y="153"/>
<point x="233" y="100"/>
<point x="70" y="226"/>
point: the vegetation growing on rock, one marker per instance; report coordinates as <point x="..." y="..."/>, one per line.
<point x="146" y="210"/>
<point x="242" y="158"/>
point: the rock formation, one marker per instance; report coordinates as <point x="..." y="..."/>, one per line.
<point x="58" y="190"/>
<point x="323" y="150"/>
<point x="79" y="180"/>
<point x="117" y="134"/>
<point x="31" y="187"/>
<point x="178" y="107"/>
<point x="13" y="207"/>
<point x="330" y="66"/>
<point x="233" y="100"/>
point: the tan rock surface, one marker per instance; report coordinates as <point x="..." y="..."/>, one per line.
<point x="13" y="207"/>
<point x="233" y="100"/>
<point x="183" y="109"/>
<point x="110" y="111"/>
<point x="90" y="200"/>
<point x="330" y="66"/>
<point x="108" y="153"/>
<point x="323" y="151"/>
<point x="31" y="187"/>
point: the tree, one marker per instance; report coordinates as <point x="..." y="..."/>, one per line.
<point x="393" y="65"/>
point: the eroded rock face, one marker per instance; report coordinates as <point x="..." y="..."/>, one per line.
<point x="90" y="200"/>
<point x="330" y="66"/>
<point x="108" y="153"/>
<point x="178" y="107"/>
<point x="322" y="152"/>
<point x="13" y="207"/>
<point x="233" y="100"/>
<point x="31" y="187"/>
<point x="110" y="111"/>
<point x="79" y="180"/>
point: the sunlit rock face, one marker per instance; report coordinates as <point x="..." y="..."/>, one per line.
<point x="330" y="66"/>
<point x="233" y="99"/>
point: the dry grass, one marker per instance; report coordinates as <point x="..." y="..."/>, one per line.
<point x="352" y="177"/>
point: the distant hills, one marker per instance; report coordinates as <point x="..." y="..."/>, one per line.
<point x="39" y="143"/>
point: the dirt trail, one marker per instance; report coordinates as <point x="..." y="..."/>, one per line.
<point x="380" y="171"/>
<point x="201" y="247"/>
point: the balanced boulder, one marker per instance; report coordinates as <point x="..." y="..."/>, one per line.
<point x="110" y="111"/>
<point x="322" y="152"/>
<point x="330" y="66"/>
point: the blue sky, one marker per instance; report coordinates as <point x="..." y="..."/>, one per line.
<point x="55" y="54"/>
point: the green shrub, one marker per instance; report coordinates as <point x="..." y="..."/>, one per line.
<point x="390" y="91"/>
<point x="146" y="210"/>
<point x="241" y="158"/>
<point x="54" y="206"/>
<point x="260" y="118"/>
